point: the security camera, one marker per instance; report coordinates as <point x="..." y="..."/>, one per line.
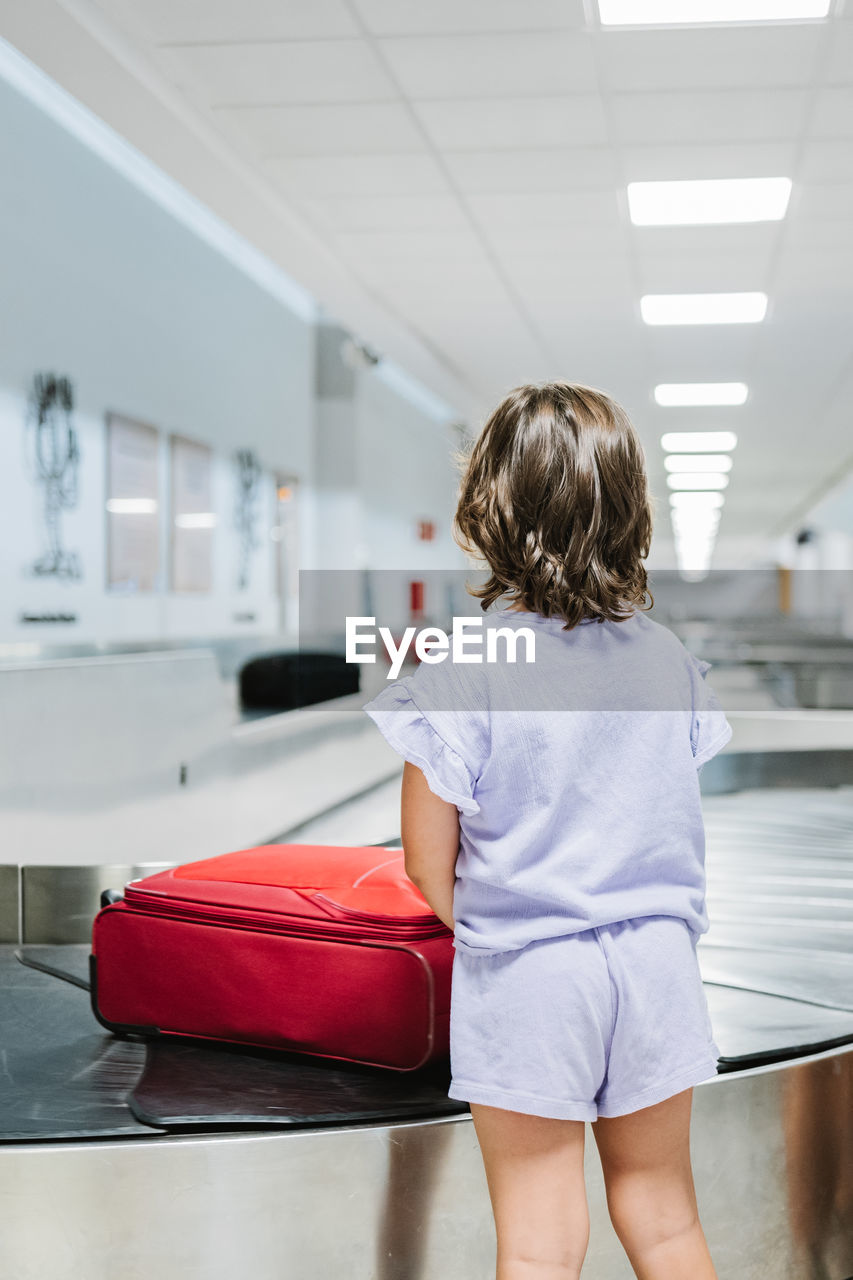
<point x="358" y="356"/>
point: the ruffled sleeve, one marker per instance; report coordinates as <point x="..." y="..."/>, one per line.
<point x="709" y="730"/>
<point x="407" y="728"/>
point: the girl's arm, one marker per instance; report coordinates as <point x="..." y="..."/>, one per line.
<point x="430" y="831"/>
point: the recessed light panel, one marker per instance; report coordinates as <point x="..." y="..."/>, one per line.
<point x="703" y="308"/>
<point x="697" y="441"/>
<point x="698" y="462"/>
<point x="697" y="480"/>
<point x="708" y="200"/>
<point x="700" y="393"/>
<point x="642" y="13"/>
<point x="695" y="501"/>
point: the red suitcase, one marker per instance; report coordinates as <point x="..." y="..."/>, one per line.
<point x="320" y="950"/>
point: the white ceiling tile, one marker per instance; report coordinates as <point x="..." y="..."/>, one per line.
<point x="839" y="61"/>
<point x="388" y="212"/>
<point x="580" y="308"/>
<point x="358" y="128"/>
<point x="580" y="240"/>
<point x="457" y="290"/>
<point x="198" y="21"/>
<point x="695" y="353"/>
<point x="832" y="233"/>
<point x="830" y="200"/>
<point x="362" y="175"/>
<point x="477" y="66"/>
<point x="473" y="273"/>
<point x="442" y="246"/>
<point x="815" y="271"/>
<point x="496" y="349"/>
<point x="413" y="17"/>
<point x="715" y="273"/>
<point x="702" y="117"/>
<point x="556" y="243"/>
<point x="826" y="162"/>
<point x="702" y="58"/>
<point x="544" y="170"/>
<point x="833" y="114"/>
<point x="483" y="123"/>
<point x="545" y="209"/>
<point x="301" y="71"/>
<point x="752" y="160"/>
<point x="756" y="243"/>
<point x="553" y="277"/>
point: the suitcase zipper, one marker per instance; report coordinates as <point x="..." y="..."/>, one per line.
<point x="137" y="899"/>
<point x="372" y="915"/>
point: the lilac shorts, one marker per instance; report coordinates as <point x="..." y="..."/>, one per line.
<point x="597" y="1023"/>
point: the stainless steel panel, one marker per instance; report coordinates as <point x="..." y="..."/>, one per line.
<point x="772" y="1151"/>
<point x="9" y="904"/>
<point x="745" y="770"/>
<point x="75" y="730"/>
<point x="60" y="903"/>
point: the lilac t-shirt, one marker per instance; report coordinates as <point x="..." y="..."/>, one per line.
<point x="575" y="776"/>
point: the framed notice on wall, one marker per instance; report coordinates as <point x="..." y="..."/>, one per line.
<point x="192" y="516"/>
<point x="133" y="511"/>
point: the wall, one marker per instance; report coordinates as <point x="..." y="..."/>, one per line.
<point x="823" y="566"/>
<point x="104" y="286"/>
<point x="382" y="464"/>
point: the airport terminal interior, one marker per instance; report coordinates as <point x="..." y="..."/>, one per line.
<point x="268" y="266"/>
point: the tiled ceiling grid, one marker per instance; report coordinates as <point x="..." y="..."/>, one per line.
<point x="468" y="160"/>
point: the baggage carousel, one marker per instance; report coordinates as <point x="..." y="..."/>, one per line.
<point x="131" y="1158"/>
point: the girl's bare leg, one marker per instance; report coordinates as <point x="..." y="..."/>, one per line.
<point x="648" y="1177"/>
<point x="534" y="1169"/>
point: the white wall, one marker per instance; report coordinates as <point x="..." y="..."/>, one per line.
<point x="823" y="567"/>
<point x="405" y="474"/>
<point x="102" y="285"/>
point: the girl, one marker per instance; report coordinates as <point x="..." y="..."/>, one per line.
<point x="551" y="817"/>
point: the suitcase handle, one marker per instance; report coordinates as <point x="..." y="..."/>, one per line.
<point x="109" y="896"/>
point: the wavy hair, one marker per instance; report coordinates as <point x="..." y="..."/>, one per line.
<point x="554" y="497"/>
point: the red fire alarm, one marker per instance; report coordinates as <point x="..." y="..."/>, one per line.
<point x="426" y="530"/>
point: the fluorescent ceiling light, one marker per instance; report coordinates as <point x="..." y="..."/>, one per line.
<point x="707" y="200"/>
<point x="693" y="562"/>
<point x="703" y="518"/>
<point x="701" y="393"/>
<point x="696" y="500"/>
<point x="697" y="480"/>
<point x="698" y="441"/>
<point x="703" y="521"/>
<point x="703" y="534"/>
<point x="132" y="506"/>
<point x="196" y="520"/>
<point x="697" y="462"/>
<point x="703" y="308"/>
<point x="656" y="12"/>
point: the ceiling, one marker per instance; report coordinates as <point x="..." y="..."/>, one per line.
<point x="449" y="179"/>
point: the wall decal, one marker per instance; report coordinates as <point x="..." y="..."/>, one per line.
<point x="246" y="515"/>
<point x="54" y="454"/>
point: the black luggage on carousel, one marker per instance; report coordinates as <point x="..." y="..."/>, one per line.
<point x="282" y="681"/>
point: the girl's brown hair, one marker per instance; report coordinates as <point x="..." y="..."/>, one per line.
<point x="554" y="496"/>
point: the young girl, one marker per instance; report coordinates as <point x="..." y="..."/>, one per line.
<point x="551" y="817"/>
